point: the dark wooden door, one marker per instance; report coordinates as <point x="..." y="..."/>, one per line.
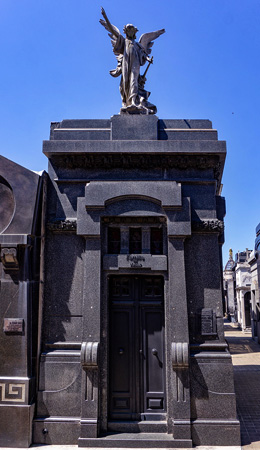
<point x="136" y="350"/>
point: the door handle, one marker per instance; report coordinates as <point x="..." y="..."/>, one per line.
<point x="121" y="351"/>
<point x="155" y="353"/>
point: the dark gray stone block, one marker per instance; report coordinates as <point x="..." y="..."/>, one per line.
<point x="179" y="222"/>
<point x="81" y="129"/>
<point x="212" y="387"/>
<point x="186" y="130"/>
<point x="144" y="440"/>
<point x="49" y="431"/>
<point x="189" y="135"/>
<point x="63" y="295"/>
<point x="16" y="425"/>
<point x="84" y="123"/>
<point x="217" y="433"/>
<point x="59" y="385"/>
<point x="131" y="127"/>
<point x="184" y="124"/>
<point x="52" y="148"/>
<point x="97" y="194"/>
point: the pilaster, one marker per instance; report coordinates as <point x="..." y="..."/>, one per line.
<point x="178" y="343"/>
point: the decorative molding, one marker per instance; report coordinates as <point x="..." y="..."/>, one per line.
<point x="180" y="355"/>
<point x="89" y="355"/>
<point x="63" y="225"/>
<point x="12" y="392"/>
<point x="208" y="225"/>
<point x="9" y="258"/>
<point x="138" y="161"/>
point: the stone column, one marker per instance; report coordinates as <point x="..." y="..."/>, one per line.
<point x="177" y="340"/>
<point x="239" y="315"/>
<point x="242" y="310"/>
<point x="91" y="339"/>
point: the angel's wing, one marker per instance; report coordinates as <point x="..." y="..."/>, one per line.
<point x="113" y="31"/>
<point x="147" y="38"/>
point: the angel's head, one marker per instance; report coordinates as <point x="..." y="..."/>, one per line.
<point x="130" y="31"/>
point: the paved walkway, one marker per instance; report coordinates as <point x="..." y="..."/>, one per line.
<point x="75" y="447"/>
<point x="246" y="362"/>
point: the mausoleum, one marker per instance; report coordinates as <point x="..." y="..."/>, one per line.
<point x="111" y="289"/>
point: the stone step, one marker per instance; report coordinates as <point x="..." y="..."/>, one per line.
<point x="135" y="440"/>
<point x="145" y="426"/>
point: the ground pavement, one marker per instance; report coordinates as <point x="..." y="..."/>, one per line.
<point x="246" y="362"/>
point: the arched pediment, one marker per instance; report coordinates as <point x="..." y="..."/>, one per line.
<point x="166" y="194"/>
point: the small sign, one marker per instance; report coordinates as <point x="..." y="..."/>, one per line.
<point x="15" y="326"/>
<point x="136" y="260"/>
<point x="208" y="322"/>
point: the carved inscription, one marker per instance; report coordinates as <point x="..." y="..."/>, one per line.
<point x="208" y="322"/>
<point x="12" y="392"/>
<point x="135" y="260"/>
<point x="15" y="326"/>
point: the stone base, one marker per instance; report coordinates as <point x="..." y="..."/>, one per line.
<point x="16" y="425"/>
<point x="59" y="431"/>
<point x="136" y="440"/>
<point x="216" y="432"/>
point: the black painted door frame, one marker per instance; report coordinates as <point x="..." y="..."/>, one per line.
<point x="136" y="348"/>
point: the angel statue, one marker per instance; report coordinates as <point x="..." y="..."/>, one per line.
<point x="130" y="56"/>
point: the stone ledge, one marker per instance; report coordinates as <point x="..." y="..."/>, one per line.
<point x="63" y="147"/>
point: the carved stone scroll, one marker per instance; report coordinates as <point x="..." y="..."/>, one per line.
<point x="180" y="355"/>
<point x="63" y="225"/>
<point x="89" y="355"/>
<point x="208" y="225"/>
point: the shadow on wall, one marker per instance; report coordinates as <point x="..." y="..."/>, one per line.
<point x="203" y="282"/>
<point x="64" y="275"/>
<point x="62" y="318"/>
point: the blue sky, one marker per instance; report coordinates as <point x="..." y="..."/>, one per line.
<point x="55" y="58"/>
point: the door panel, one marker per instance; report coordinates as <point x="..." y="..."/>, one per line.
<point x="136" y="353"/>
<point x="121" y="357"/>
<point x="153" y="327"/>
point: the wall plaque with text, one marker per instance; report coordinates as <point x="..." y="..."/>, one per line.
<point x="15" y="326"/>
<point x="208" y="322"/>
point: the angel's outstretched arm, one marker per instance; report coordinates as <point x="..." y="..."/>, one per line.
<point x="107" y="24"/>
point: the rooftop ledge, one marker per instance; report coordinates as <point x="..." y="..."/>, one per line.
<point x="195" y="147"/>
